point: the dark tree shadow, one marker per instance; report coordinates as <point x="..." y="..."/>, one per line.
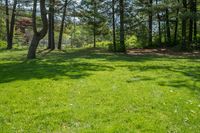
<point x="191" y="75"/>
<point x="38" y="70"/>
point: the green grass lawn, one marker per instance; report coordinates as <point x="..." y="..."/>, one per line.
<point x="89" y="90"/>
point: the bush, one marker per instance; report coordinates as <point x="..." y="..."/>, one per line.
<point x="3" y="44"/>
<point x="104" y="44"/>
<point x="132" y="42"/>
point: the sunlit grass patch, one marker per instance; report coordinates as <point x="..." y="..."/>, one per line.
<point x="88" y="90"/>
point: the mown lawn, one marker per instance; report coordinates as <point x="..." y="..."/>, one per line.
<point x="89" y="90"/>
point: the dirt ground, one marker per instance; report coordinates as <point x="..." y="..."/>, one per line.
<point x="162" y="51"/>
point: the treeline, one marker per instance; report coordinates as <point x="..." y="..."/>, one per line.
<point x="149" y="23"/>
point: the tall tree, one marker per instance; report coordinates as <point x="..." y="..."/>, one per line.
<point x="159" y="26"/>
<point x="168" y="35"/>
<point x="51" y="39"/>
<point x="184" y="24"/>
<point x="62" y="25"/>
<point x="176" y="24"/>
<point x="94" y="21"/>
<point x="10" y="24"/>
<point x="94" y="18"/>
<point x="41" y="34"/>
<point x="150" y="22"/>
<point x="113" y="25"/>
<point x="122" y="44"/>
<point x="195" y="21"/>
<point x="192" y="10"/>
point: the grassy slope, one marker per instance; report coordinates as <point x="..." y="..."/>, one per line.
<point x="88" y="91"/>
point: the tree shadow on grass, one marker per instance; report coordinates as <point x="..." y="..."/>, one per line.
<point x="102" y="54"/>
<point x="42" y="69"/>
<point x="70" y="64"/>
<point x="177" y="76"/>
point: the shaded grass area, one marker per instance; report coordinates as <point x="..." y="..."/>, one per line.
<point x="91" y="90"/>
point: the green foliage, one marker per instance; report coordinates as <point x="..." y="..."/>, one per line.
<point x="103" y="44"/>
<point x="132" y="42"/>
<point x="3" y="44"/>
<point x="2" y="27"/>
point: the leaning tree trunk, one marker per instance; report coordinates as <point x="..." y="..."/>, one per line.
<point x="10" y="30"/>
<point x="122" y="44"/>
<point x="33" y="47"/>
<point x="62" y="26"/>
<point x="38" y="35"/>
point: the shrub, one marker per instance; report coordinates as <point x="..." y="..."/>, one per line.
<point x="104" y="44"/>
<point x="132" y="42"/>
<point x="3" y="44"/>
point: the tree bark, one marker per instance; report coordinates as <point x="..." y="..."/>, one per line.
<point x="10" y="26"/>
<point x="41" y="34"/>
<point x="50" y="28"/>
<point x="176" y="27"/>
<point x="94" y="24"/>
<point x="53" y="26"/>
<point x="150" y="23"/>
<point x="191" y="22"/>
<point x="33" y="47"/>
<point x="184" y="25"/>
<point x="159" y="27"/>
<point x="168" y="28"/>
<point x="62" y="26"/>
<point x="7" y="25"/>
<point x="113" y="24"/>
<point x="122" y="44"/>
<point x="195" y="21"/>
<point x="51" y="39"/>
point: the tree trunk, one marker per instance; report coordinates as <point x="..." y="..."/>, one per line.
<point x="176" y="26"/>
<point x="94" y="34"/>
<point x="41" y="34"/>
<point x="159" y="27"/>
<point x="184" y="24"/>
<point x="7" y="25"/>
<point x="52" y="34"/>
<point x="195" y="21"/>
<point x="51" y="40"/>
<point x="33" y="47"/>
<point x="191" y="21"/>
<point x="122" y="44"/>
<point x="94" y="24"/>
<point x="10" y="30"/>
<point x="168" y="28"/>
<point x="62" y="26"/>
<point x="50" y="28"/>
<point x="113" y="24"/>
<point x="150" y="23"/>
